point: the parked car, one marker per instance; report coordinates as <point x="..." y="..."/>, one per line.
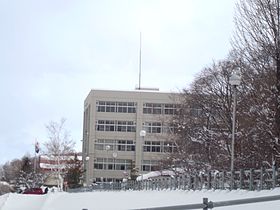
<point x="35" y="191"/>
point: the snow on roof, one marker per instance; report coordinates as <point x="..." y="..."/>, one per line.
<point x="154" y="174"/>
<point x="51" y="166"/>
<point x="4" y="183"/>
<point x="63" y="157"/>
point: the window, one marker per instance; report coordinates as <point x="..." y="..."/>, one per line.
<point x="110" y="106"/>
<point x="159" y="146"/>
<point x="153" y="127"/>
<point x="119" y="126"/>
<point x="125" y="145"/>
<point x="122" y="164"/>
<point x="109" y="125"/>
<point x="115" y="145"/>
<point x="150" y="165"/>
<point x="150" y="108"/>
<point x="131" y="126"/>
<point x="130" y="145"/>
<point x="170" y="109"/>
<point x="147" y="146"/>
<point x="131" y="107"/>
<point x="126" y="126"/>
<point x="113" y="106"/>
<point x="168" y="129"/>
<point x="111" y="164"/>
<point x="168" y="147"/>
<point x="101" y="144"/>
<point x="155" y="146"/>
<point x="100" y="125"/>
<point x="156" y="108"/>
<point x="121" y="145"/>
<point x="101" y="106"/>
<point x="152" y="146"/>
<point x="99" y="163"/>
<point x="196" y="111"/>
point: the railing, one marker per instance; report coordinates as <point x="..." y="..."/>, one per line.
<point x="244" y="179"/>
<point x="205" y="205"/>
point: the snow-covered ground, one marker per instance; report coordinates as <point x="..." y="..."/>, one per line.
<point x="131" y="200"/>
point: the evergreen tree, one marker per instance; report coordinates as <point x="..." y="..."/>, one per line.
<point x="74" y="173"/>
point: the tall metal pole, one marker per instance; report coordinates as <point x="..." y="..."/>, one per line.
<point x="142" y="135"/>
<point x="142" y="164"/>
<point x="234" y="81"/>
<point x="233" y="128"/>
<point x="108" y="147"/>
<point x="140" y="62"/>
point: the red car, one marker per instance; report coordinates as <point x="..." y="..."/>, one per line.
<point x="35" y="191"/>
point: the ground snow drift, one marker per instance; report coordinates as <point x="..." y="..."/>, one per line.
<point x="120" y="200"/>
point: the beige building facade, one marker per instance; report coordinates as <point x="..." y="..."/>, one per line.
<point x="124" y="130"/>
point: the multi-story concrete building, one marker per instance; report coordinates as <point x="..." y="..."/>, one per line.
<point x="123" y="130"/>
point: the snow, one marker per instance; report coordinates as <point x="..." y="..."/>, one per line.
<point x="154" y="174"/>
<point x="4" y="183"/>
<point x="121" y="200"/>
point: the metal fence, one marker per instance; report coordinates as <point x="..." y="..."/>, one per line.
<point x="250" y="179"/>
<point x="205" y="205"/>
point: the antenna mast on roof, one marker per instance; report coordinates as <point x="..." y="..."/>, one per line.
<point x="140" y="63"/>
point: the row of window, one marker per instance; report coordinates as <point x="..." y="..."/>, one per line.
<point x="130" y="107"/>
<point x="112" y="164"/>
<point x="129" y="145"/>
<point x="150" y="165"/>
<point x="130" y="126"/>
<point x="157" y="127"/>
<point x="115" y="125"/>
<point x="111" y="106"/>
<point x="114" y="145"/>
<point x="156" y="108"/>
<point x="159" y="146"/>
<point x="123" y="164"/>
<point x="106" y="179"/>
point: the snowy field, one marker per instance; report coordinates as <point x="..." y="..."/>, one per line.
<point x="131" y="200"/>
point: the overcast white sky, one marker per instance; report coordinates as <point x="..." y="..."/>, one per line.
<point x="53" y="52"/>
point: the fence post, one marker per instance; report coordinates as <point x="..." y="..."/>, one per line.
<point x="205" y="202"/>
<point x="241" y="178"/>
<point x="179" y="183"/>
<point x="223" y="180"/>
<point x="251" y="179"/>
<point x="231" y="180"/>
<point x="209" y="180"/>
<point x="273" y="176"/>
<point x="184" y="182"/>
<point x="200" y="182"/>
<point x="261" y="178"/>
<point x="215" y="181"/>
<point x="195" y="182"/>
<point x="190" y="182"/>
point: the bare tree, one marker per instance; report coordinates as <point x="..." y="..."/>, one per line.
<point x="1" y="172"/>
<point x="203" y="125"/>
<point x="12" y="170"/>
<point x="60" y="141"/>
<point x="257" y="42"/>
<point x="59" y="145"/>
<point x="203" y="138"/>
